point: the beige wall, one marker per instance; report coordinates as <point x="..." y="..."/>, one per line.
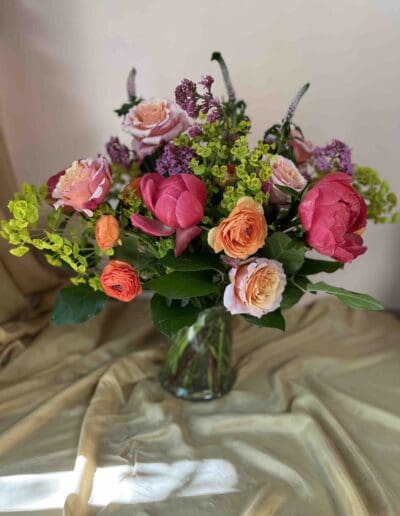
<point x="63" y="69"/>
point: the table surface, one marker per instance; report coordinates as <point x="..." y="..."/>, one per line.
<point x="312" y="426"/>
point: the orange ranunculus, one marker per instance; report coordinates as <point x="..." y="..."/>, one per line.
<point x="243" y="232"/>
<point x="120" y="281"/>
<point x="107" y="232"/>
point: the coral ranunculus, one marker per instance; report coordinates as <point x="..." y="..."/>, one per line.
<point x="256" y="287"/>
<point x="177" y="202"/>
<point x="107" y="232"/>
<point x="333" y="213"/>
<point x="82" y="186"/>
<point x="152" y="123"/>
<point x="120" y="281"/>
<point x="243" y="232"/>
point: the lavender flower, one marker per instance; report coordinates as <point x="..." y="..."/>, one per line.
<point x="190" y="100"/>
<point x="174" y="160"/>
<point x="194" y="131"/>
<point x="118" y="152"/>
<point x="334" y="156"/>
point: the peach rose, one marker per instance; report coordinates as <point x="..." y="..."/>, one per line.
<point x="256" y="287"/>
<point x="243" y="232"/>
<point x="107" y="232"/>
<point x="120" y="281"/>
<point x="152" y="123"/>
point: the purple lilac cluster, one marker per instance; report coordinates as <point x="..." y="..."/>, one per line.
<point x="334" y="156"/>
<point x="118" y="152"/>
<point x="174" y="160"/>
<point x="194" y="103"/>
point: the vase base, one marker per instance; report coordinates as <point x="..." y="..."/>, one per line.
<point x="198" y="395"/>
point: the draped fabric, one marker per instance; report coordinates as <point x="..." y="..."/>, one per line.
<point x="312" y="426"/>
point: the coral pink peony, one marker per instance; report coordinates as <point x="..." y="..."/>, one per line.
<point x="83" y="186"/>
<point x="302" y="148"/>
<point x="177" y="202"/>
<point x="152" y="123"/>
<point x="120" y="281"/>
<point x="256" y="287"/>
<point x="333" y="213"/>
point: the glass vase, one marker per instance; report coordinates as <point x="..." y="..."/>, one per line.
<point x="198" y="363"/>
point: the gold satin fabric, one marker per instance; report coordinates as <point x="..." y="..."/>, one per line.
<point x="312" y="426"/>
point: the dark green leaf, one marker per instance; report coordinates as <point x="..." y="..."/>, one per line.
<point x="169" y="318"/>
<point x="135" y="253"/>
<point x="77" y="304"/>
<point x="352" y="299"/>
<point x="271" y="320"/>
<point x="311" y="266"/>
<point x="290" y="191"/>
<point x="192" y="262"/>
<point x="293" y="292"/>
<point x="179" y="285"/>
<point x="289" y="252"/>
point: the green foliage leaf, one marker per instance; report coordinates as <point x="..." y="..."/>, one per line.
<point x="289" y="252"/>
<point x="192" y="262"/>
<point x="352" y="299"/>
<point x="290" y="191"/>
<point x="77" y="304"/>
<point x="135" y="253"/>
<point x="179" y="285"/>
<point x="272" y="320"/>
<point x="294" y="290"/>
<point x="170" y="317"/>
<point x="311" y="266"/>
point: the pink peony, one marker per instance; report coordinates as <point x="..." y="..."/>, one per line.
<point x="152" y="123"/>
<point x="333" y="213"/>
<point x="177" y="202"/>
<point x="256" y="287"/>
<point x="302" y="148"/>
<point x="83" y="186"/>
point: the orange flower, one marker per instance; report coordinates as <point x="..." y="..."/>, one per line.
<point x="120" y="281"/>
<point x="107" y="232"/>
<point x="243" y="232"/>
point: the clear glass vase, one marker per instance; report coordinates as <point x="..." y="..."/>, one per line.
<point x="198" y="362"/>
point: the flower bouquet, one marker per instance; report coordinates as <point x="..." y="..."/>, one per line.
<point x="210" y="225"/>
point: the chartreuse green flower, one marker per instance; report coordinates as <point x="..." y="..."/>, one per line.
<point x="381" y="202"/>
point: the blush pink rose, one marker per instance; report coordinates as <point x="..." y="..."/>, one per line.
<point x="256" y="287"/>
<point x="333" y="213"/>
<point x="177" y="202"/>
<point x="82" y="186"/>
<point x="152" y="123"/>
<point x="302" y="148"/>
<point x="284" y="173"/>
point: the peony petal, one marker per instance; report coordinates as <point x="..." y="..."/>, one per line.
<point x="148" y="186"/>
<point x="165" y="210"/>
<point x="184" y="237"/>
<point x="189" y="211"/>
<point x="151" y="226"/>
<point x="195" y="186"/>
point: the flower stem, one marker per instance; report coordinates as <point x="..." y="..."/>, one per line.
<point x="216" y="56"/>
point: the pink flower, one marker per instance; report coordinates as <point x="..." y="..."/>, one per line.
<point x="83" y="186"/>
<point x="152" y="123"/>
<point x="256" y="287"/>
<point x="177" y="202"/>
<point x="284" y="173"/>
<point x="302" y="148"/>
<point x="333" y="213"/>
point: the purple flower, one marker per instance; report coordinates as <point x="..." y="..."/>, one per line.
<point x="194" y="131"/>
<point x="174" y="160"/>
<point x="336" y="156"/>
<point x="118" y="152"/>
<point x="193" y="102"/>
